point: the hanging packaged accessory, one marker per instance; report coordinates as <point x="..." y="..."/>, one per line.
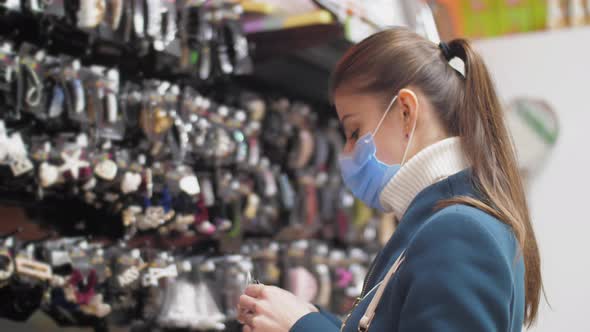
<point x="73" y="163"/>
<point x="14" y="152"/>
<point x="139" y="18"/>
<point x="9" y="74"/>
<point x="29" y="84"/>
<point x="91" y="13"/>
<point x="114" y="13"/>
<point x="6" y="267"/>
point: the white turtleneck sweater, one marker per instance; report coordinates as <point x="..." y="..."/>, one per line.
<point x="434" y="163"/>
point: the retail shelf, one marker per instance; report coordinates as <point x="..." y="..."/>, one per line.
<point x="299" y="60"/>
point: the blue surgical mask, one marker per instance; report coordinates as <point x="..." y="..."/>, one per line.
<point x="364" y="174"/>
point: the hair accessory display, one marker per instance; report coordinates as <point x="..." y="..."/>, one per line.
<point x="167" y="178"/>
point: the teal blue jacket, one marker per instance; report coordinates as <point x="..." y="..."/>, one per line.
<point x="463" y="271"/>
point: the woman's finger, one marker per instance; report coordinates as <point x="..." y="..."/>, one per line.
<point x="254" y="290"/>
<point x="240" y="312"/>
<point x="247" y="303"/>
<point x="247" y="318"/>
<point x="246" y="328"/>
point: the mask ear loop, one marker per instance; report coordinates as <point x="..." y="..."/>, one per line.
<point x="411" y="136"/>
<point x="384" y="115"/>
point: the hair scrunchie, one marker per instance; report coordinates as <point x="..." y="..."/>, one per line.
<point x="446" y="50"/>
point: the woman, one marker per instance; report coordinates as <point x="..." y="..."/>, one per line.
<point x="430" y="145"/>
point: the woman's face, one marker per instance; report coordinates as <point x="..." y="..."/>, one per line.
<point x="359" y="114"/>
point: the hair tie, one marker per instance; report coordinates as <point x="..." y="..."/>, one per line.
<point x="446" y="50"/>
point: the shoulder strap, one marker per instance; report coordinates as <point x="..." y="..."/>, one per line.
<point x="369" y="314"/>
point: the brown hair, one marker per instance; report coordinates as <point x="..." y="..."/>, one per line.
<point x="468" y="107"/>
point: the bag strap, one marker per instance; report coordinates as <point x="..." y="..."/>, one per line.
<point x="369" y="314"/>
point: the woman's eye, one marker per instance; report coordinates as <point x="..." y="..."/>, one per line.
<point x="354" y="135"/>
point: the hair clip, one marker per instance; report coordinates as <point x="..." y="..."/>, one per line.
<point x="166" y="200"/>
<point x="90" y="184"/>
<point x="33" y="269"/>
<point x="130" y="275"/>
<point x="270" y="188"/>
<point x="205" y="50"/>
<point x="34" y="94"/>
<point x="149" y="184"/>
<point x="252" y="205"/>
<point x="79" y="96"/>
<point x="6" y="266"/>
<point x="223" y="224"/>
<point x="106" y="169"/>
<point x="254" y="151"/>
<point x="201" y="218"/>
<point x="287" y="192"/>
<point x="131" y="182"/>
<point x="139" y="18"/>
<point x="225" y="64"/>
<point x="190" y="185"/>
<point x="130" y="215"/>
<point x="170" y="25"/>
<point x="153" y="275"/>
<point x="96" y="307"/>
<point x="153" y="217"/>
<point x="446" y="50"/>
<point x="56" y="106"/>
<point x="72" y="163"/>
<point x="154" y="19"/>
<point x="13" y="151"/>
<point x="20" y="166"/>
<point x="48" y="175"/>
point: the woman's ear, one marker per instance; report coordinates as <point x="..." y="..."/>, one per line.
<point x="408" y="103"/>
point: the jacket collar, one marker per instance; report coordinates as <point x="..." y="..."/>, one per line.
<point x="422" y="207"/>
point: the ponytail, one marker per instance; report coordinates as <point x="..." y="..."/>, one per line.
<point x="487" y="145"/>
<point x="467" y="106"/>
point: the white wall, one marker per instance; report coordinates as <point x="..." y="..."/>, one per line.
<point x="556" y="66"/>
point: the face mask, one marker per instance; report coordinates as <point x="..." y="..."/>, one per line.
<point x="364" y="174"/>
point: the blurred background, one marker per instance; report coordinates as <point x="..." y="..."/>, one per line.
<point x="537" y="51"/>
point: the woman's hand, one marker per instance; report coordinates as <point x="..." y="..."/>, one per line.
<point x="268" y="308"/>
